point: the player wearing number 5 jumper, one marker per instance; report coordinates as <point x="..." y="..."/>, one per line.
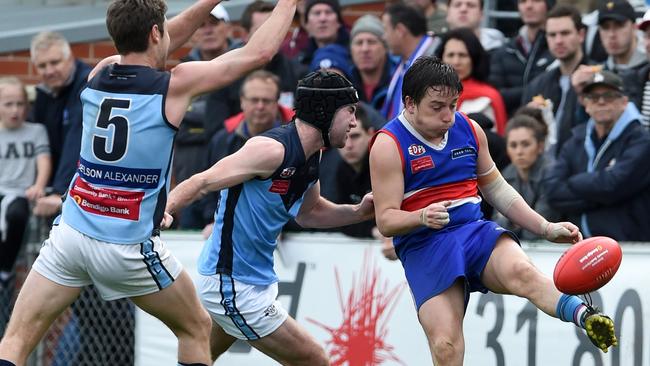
<point x="107" y="234"/>
<point x="426" y="168"/>
<point x="270" y="180"/>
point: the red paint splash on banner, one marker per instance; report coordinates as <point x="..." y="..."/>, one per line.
<point x="361" y="339"/>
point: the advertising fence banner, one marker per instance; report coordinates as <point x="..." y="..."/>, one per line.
<point x="358" y="306"/>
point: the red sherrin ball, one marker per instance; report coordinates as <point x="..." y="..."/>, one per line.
<point x="587" y="265"/>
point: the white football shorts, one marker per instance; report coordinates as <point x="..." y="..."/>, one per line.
<point x="73" y="259"/>
<point x="247" y="312"/>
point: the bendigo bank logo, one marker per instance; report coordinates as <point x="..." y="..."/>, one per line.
<point x="416" y="150"/>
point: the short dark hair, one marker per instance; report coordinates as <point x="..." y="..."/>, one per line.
<point x="129" y="23"/>
<point x="429" y="72"/>
<point x="479" y="1"/>
<point x="261" y="75"/>
<point x="362" y="118"/>
<point x="540" y="130"/>
<point x="257" y="6"/>
<point x="566" y="10"/>
<point x="478" y="55"/>
<point x="412" y="19"/>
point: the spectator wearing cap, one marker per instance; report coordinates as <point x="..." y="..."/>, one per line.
<point x="565" y="35"/>
<point x="617" y="32"/>
<point x="207" y="113"/>
<point x="601" y="179"/>
<point x="637" y="81"/>
<point x="332" y="57"/>
<point x="324" y="23"/>
<point x="212" y="38"/>
<point x="617" y="29"/>
<point x="518" y="62"/>
<point x="405" y="32"/>
<point x="372" y="67"/>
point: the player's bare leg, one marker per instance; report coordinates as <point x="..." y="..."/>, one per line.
<point x="179" y="308"/>
<point x="292" y="345"/>
<point x="442" y="320"/>
<point x="39" y="303"/>
<point x="510" y="271"/>
<point x="220" y="341"/>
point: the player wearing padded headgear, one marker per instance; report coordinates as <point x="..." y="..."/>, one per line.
<point x="426" y="167"/>
<point x="260" y="193"/>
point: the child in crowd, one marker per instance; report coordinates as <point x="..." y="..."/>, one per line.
<point x="24" y="172"/>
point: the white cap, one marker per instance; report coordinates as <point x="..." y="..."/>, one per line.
<point x="645" y="22"/>
<point x="220" y="12"/>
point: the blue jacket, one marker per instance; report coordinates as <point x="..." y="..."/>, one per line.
<point x="605" y="189"/>
<point x="62" y="116"/>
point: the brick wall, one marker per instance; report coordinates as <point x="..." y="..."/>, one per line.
<point x="18" y="63"/>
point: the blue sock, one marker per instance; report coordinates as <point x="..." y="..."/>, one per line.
<point x="571" y="309"/>
<point x="6" y="363"/>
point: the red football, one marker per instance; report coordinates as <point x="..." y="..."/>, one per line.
<point x="587" y="265"/>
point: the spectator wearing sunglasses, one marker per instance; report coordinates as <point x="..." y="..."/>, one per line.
<point x="601" y="179"/>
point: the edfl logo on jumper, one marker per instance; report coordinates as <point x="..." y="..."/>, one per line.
<point x="416" y="150"/>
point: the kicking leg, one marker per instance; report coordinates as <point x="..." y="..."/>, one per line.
<point x="510" y="271"/>
<point x="39" y="303"/>
<point x="292" y="345"/>
<point x="442" y="320"/>
<point x="178" y="307"/>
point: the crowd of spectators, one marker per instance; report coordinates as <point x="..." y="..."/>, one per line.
<point x="524" y="83"/>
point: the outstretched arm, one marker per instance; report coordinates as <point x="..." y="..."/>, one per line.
<point x="243" y="165"/>
<point x="194" y="78"/>
<point x="511" y="204"/>
<point x="318" y="212"/>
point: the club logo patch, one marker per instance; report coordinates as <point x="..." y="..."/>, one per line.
<point x="416" y="150"/>
<point x="463" y="152"/>
<point x="288" y="172"/>
<point x="420" y="164"/>
<point x="271" y="311"/>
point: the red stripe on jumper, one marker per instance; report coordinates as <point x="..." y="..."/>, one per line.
<point x="450" y="191"/>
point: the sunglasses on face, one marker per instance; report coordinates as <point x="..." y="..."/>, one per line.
<point x="609" y="96"/>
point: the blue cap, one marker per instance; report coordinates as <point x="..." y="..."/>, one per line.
<point x="332" y="56"/>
